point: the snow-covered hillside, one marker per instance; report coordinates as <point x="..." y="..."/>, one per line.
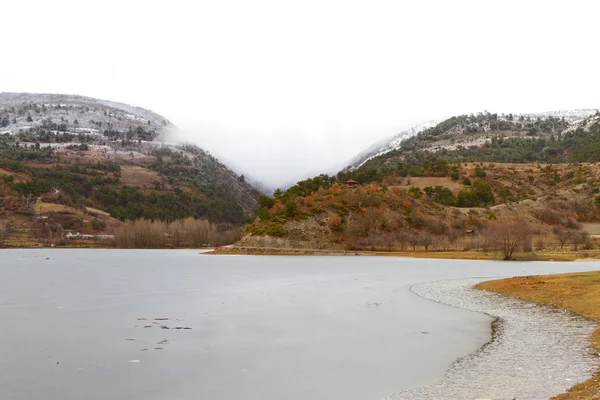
<point x="20" y="112"/>
<point x="106" y="130"/>
<point x="572" y="118"/>
<point x="385" y="145"/>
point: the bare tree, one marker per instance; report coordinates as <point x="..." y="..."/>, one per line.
<point x="400" y="240"/>
<point x="425" y="239"/>
<point x="4" y="227"/>
<point x="192" y="233"/>
<point x="581" y="238"/>
<point x="561" y="235"/>
<point x="506" y="235"/>
<point x="413" y="240"/>
<point x="539" y="244"/>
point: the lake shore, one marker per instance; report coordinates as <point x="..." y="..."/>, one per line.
<point x="534" y="352"/>
<point x="450" y="255"/>
<point x="545" y="255"/>
<point x="576" y="292"/>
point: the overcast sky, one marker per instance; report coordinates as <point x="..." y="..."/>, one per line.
<point x="285" y="89"/>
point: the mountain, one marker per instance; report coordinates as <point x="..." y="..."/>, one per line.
<point x="385" y="145"/>
<point x="78" y="154"/>
<point x="457" y="185"/>
<point x="469" y="130"/>
<point x="20" y="112"/>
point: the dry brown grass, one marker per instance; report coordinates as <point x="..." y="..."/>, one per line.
<point x="593" y="228"/>
<point x="423" y="182"/>
<point x="137" y="176"/>
<point x="93" y="211"/>
<point x="19" y="177"/>
<point x="450" y="255"/>
<point x="577" y="292"/>
<point x="43" y="208"/>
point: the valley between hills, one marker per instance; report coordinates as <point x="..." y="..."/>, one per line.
<point x="82" y="172"/>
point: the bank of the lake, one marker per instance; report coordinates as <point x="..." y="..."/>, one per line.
<point x="544" y="255"/>
<point x="547" y="255"/>
<point x="578" y="293"/>
<point x="534" y="352"/>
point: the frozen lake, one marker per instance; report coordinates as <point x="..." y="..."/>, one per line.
<point x="92" y="324"/>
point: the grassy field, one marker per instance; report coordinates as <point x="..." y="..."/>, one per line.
<point x="42" y="207"/>
<point x="576" y="292"/>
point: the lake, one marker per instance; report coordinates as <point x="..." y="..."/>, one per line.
<point x="175" y="324"/>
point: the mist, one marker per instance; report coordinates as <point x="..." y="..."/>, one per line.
<point x="279" y="158"/>
<point x="282" y="91"/>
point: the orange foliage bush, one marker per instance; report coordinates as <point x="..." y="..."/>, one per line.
<point x="373" y="187"/>
<point x="277" y="208"/>
<point x="335" y="223"/>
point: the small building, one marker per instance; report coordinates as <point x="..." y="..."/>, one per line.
<point x="470" y="232"/>
<point x="71" y="235"/>
<point x="352" y="182"/>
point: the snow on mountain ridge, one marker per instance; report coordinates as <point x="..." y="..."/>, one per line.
<point x="388" y="144"/>
<point x="573" y="117"/>
<point x="27" y="110"/>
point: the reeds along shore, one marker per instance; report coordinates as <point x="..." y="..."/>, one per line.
<point x="190" y="232"/>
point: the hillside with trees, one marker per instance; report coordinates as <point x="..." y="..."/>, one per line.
<point x="544" y="186"/>
<point x="475" y="130"/>
<point x="72" y="164"/>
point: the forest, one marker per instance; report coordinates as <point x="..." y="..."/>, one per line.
<point x="97" y="184"/>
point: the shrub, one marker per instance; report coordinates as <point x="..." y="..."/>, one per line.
<point x="581" y="238"/>
<point x="572" y="224"/>
<point x="539" y="244"/>
<point x="291" y="208"/>
<point x="98" y="224"/>
<point x="318" y="209"/>
<point x="336" y="223"/>
<point x="478" y="195"/>
<point x="480" y="173"/>
<point x="548" y="216"/>
<point x="275" y="229"/>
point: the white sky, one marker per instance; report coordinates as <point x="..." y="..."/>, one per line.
<point x="283" y="90"/>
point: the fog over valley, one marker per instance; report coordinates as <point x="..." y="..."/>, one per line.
<point x="281" y="92"/>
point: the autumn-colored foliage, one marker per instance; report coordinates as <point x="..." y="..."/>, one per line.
<point x="373" y="187"/>
<point x="424" y="215"/>
<point x="277" y="208"/>
<point x="335" y="223"/>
